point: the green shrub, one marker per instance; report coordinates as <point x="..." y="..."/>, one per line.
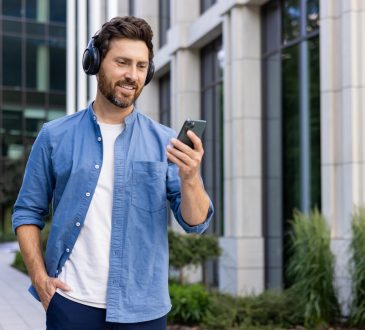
<point x="222" y="312"/>
<point x="189" y="303"/>
<point x="269" y="308"/>
<point x="194" y="305"/>
<point x="357" y="315"/>
<point x="191" y="249"/>
<point x="311" y="269"/>
<point x="19" y="264"/>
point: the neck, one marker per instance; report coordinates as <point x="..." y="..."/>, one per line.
<point x="109" y="113"/>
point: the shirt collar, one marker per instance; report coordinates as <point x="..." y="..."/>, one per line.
<point x="127" y="120"/>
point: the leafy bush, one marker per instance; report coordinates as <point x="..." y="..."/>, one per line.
<point x="191" y="249"/>
<point x="222" y="312"/>
<point x="357" y="315"/>
<point x="190" y="303"/>
<point x="267" y="310"/>
<point x="311" y="269"/>
<point x="19" y="264"/>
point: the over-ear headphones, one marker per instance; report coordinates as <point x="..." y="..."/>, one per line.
<point x="91" y="61"/>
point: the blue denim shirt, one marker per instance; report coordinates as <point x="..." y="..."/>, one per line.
<point x="62" y="170"/>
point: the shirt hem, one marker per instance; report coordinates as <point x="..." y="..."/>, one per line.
<point x="145" y="318"/>
<point x="82" y="302"/>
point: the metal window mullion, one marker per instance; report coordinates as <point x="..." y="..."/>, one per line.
<point x="304" y="115"/>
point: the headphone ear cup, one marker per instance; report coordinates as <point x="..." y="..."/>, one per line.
<point x="150" y="73"/>
<point x="91" y="59"/>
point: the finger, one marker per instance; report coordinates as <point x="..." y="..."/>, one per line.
<point x="181" y="146"/>
<point x="198" y="145"/>
<point x="61" y="285"/>
<point x="175" y="160"/>
<point x="180" y="155"/>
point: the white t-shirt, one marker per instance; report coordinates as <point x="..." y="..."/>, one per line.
<point x="86" y="271"/>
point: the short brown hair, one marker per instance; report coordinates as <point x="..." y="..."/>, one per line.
<point x="129" y="27"/>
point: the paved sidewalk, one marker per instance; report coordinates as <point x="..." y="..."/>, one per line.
<point x="18" y="309"/>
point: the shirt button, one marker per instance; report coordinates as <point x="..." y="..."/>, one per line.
<point x="87" y="194"/>
<point x="97" y="166"/>
<point x="78" y="224"/>
<point x="99" y="138"/>
<point x="67" y="250"/>
<point x="94" y="117"/>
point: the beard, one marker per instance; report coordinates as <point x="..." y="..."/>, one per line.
<point x="109" y="91"/>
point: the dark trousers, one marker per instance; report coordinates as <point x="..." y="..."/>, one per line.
<point x="65" y="314"/>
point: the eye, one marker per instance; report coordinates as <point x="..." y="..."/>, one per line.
<point x="142" y="65"/>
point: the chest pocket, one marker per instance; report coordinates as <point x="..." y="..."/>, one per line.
<point x="149" y="185"/>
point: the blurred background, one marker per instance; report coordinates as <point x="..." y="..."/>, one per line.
<point x="280" y="82"/>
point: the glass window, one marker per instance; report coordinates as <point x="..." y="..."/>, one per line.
<point x="35" y="29"/>
<point x="12" y="26"/>
<point x="12" y="96"/>
<point x="57" y="69"/>
<point x="291" y="96"/>
<point x="212" y="111"/>
<point x="12" y="8"/>
<point x="165" y="111"/>
<point x="12" y="137"/>
<point x="212" y="166"/>
<point x="291" y="20"/>
<point x="55" y="113"/>
<point x="164" y="20"/>
<point x="315" y="124"/>
<point x="312" y="15"/>
<point x="165" y="100"/>
<point x="57" y="100"/>
<point x="291" y="130"/>
<point x="31" y="9"/>
<point x="36" y="99"/>
<point x="206" y="4"/>
<point x="57" y="31"/>
<point x="34" y="119"/>
<point x="37" y="64"/>
<point x="57" y="10"/>
<point x="12" y="61"/>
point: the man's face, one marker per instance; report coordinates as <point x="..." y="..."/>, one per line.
<point x="123" y="71"/>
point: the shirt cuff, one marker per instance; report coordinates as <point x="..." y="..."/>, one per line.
<point x="197" y="229"/>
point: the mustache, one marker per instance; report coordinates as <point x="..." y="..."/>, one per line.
<point x="127" y="82"/>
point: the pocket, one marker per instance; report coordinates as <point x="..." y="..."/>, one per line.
<point x="51" y="303"/>
<point x="149" y="185"/>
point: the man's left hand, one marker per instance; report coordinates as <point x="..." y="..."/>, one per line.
<point x="187" y="159"/>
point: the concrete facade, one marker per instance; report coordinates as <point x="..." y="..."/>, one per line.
<point x="342" y="47"/>
<point x="342" y="122"/>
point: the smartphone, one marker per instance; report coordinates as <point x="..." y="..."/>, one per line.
<point x="197" y="126"/>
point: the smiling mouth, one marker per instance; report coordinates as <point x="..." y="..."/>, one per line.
<point x="129" y="87"/>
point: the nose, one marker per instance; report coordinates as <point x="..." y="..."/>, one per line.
<point x="132" y="73"/>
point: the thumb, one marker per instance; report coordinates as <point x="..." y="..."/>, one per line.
<point x="61" y="285"/>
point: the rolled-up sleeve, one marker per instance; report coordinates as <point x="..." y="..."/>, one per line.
<point x="174" y="197"/>
<point x="36" y="191"/>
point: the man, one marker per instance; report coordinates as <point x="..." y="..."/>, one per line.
<point x="108" y="171"/>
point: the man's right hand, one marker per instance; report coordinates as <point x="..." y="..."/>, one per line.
<point x="46" y="288"/>
<point x="29" y="238"/>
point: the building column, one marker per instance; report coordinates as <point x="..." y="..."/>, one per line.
<point x="242" y="263"/>
<point x="342" y="122"/>
<point x="148" y="102"/>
